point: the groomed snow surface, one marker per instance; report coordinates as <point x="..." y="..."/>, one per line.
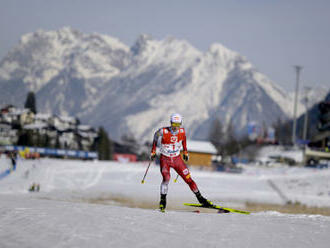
<point x="104" y="204"/>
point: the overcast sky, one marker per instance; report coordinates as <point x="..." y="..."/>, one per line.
<point x="272" y="34"/>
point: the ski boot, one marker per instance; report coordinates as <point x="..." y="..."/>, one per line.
<point x="203" y="200"/>
<point x="162" y="203"/>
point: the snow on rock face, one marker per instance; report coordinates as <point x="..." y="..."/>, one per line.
<point x="218" y="84"/>
<point x="42" y="55"/>
<point x="134" y="90"/>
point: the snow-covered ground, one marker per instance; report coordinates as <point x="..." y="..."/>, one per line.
<point x="266" y="152"/>
<point x="104" y="204"/>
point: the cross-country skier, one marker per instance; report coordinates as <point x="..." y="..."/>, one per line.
<point x="171" y="139"/>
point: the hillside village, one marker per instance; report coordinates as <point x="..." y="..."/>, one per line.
<point x="22" y="127"/>
<point x="65" y="136"/>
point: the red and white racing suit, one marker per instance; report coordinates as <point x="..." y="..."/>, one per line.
<point x="170" y="145"/>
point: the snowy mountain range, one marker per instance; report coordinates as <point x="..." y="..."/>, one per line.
<point x="133" y="90"/>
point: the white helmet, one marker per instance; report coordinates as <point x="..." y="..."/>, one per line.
<point x="176" y="118"/>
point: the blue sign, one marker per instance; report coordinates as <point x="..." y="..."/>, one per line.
<point x="54" y="152"/>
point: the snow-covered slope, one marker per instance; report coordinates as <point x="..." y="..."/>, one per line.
<point x="38" y="223"/>
<point x="30" y="222"/>
<point x="312" y="95"/>
<point x="65" y="214"/>
<point x="134" y="90"/>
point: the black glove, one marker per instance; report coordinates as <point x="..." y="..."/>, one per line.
<point x="185" y="157"/>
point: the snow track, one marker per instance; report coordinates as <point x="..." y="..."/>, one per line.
<point x="29" y="222"/>
<point x="64" y="213"/>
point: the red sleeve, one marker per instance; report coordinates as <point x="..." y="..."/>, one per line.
<point x="156" y="137"/>
<point x="184" y="141"/>
<point x="153" y="149"/>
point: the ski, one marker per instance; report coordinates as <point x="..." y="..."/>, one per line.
<point x="221" y="209"/>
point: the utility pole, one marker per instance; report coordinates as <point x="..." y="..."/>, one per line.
<point x="306" y="99"/>
<point x="298" y="69"/>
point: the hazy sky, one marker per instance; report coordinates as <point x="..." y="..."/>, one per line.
<point x="273" y="34"/>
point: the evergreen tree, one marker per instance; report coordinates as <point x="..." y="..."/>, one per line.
<point x="58" y="143"/>
<point x="30" y="102"/>
<point x="47" y="141"/>
<point x="41" y="140"/>
<point x="232" y="146"/>
<point x="105" y="146"/>
<point x="216" y="135"/>
<point x="25" y="138"/>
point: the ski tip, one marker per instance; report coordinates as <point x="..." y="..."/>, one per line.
<point x="192" y="204"/>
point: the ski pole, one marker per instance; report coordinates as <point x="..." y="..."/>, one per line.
<point x="145" y="174"/>
<point x="176" y="179"/>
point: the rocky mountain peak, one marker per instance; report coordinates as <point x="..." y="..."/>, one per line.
<point x="133" y="90"/>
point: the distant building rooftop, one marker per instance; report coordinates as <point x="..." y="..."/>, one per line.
<point x="201" y="146"/>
